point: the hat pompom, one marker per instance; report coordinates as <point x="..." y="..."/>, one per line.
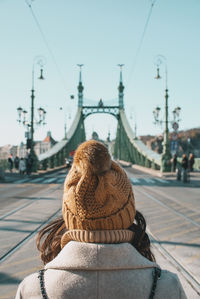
<point x="92" y="156"/>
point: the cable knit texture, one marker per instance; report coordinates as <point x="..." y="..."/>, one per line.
<point x="97" y="192"/>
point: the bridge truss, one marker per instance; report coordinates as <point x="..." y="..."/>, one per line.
<point x="127" y="147"/>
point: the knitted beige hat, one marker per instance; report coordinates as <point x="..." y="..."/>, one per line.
<point x="97" y="192"/>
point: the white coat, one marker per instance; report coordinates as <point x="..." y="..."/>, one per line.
<point x="103" y="271"/>
<point x="22" y="165"/>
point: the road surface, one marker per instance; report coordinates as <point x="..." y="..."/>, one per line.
<point x="171" y="210"/>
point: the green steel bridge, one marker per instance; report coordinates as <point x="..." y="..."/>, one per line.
<point x="127" y="147"/>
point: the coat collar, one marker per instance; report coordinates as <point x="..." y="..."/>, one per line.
<point x="93" y="256"/>
<point x="101" y="236"/>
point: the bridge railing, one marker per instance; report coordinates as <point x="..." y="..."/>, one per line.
<point x="135" y="150"/>
<point x="57" y="154"/>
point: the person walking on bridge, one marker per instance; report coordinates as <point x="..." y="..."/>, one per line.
<point x="10" y="162"/>
<point x="184" y="162"/>
<point x="22" y="166"/>
<point x="99" y="247"/>
<point x="184" y="165"/>
<point x="174" y="162"/>
<point x="191" y="162"/>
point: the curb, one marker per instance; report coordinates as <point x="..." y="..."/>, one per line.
<point x="158" y="173"/>
<point x="141" y="168"/>
<point x="148" y="170"/>
<point x="38" y="174"/>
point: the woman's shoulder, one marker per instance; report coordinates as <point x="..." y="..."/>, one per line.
<point x="169" y="281"/>
<point x="28" y="287"/>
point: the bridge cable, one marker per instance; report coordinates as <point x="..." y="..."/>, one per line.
<point x="46" y="42"/>
<point x="141" y="41"/>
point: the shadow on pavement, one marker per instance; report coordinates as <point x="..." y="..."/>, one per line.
<point x="35" y="198"/>
<point x="175" y="243"/>
<point x="20" y="221"/>
<point x="12" y="229"/>
<point x="7" y="279"/>
<point x="168" y="183"/>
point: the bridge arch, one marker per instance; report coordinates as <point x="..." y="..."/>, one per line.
<point x="89" y="110"/>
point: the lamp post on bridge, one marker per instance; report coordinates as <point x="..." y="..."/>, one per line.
<point x="174" y="123"/>
<point x="121" y="88"/>
<point x="121" y="106"/>
<point x="67" y="116"/>
<point x="166" y="155"/>
<point x="80" y="87"/>
<point x="40" y="61"/>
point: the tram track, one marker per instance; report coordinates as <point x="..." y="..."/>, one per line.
<point x="169" y="198"/>
<point x="25" y="239"/>
<point x="24" y="233"/>
<point x="12" y="212"/>
<point x="15" y="210"/>
<point x="174" y="253"/>
<point x="161" y="203"/>
<point x="191" y="279"/>
<point x="164" y="199"/>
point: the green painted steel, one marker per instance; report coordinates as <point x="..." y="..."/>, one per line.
<point x="56" y="155"/>
<point x="128" y="148"/>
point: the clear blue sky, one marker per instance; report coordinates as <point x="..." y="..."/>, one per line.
<point x="99" y="34"/>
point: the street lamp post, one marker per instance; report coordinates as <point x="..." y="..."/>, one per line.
<point x="39" y="60"/>
<point x="166" y="155"/>
<point x="66" y="118"/>
<point x="174" y="123"/>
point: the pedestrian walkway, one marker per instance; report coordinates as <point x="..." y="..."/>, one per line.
<point x="44" y="179"/>
<point x="148" y="181"/>
<point x="49" y="178"/>
<point x="169" y="176"/>
<point x="59" y="179"/>
<point x="166" y="262"/>
<point x="164" y="176"/>
<point x="15" y="177"/>
<point x="155" y="178"/>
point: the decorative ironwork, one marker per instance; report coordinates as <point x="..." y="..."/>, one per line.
<point x="88" y="110"/>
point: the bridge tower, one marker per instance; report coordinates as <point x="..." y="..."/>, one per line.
<point x="126" y="147"/>
<point x="80" y="88"/>
<point x="121" y="89"/>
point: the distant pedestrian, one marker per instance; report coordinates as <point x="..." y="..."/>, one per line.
<point x="71" y="154"/>
<point x="16" y="162"/>
<point x="184" y="165"/>
<point x="174" y="163"/>
<point x="29" y="162"/>
<point x="184" y="162"/>
<point x="22" y="166"/>
<point x="191" y="162"/>
<point x="10" y="162"/>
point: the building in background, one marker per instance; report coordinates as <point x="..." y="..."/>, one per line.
<point x="21" y="150"/>
<point x="183" y="142"/>
<point x="44" y="145"/>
